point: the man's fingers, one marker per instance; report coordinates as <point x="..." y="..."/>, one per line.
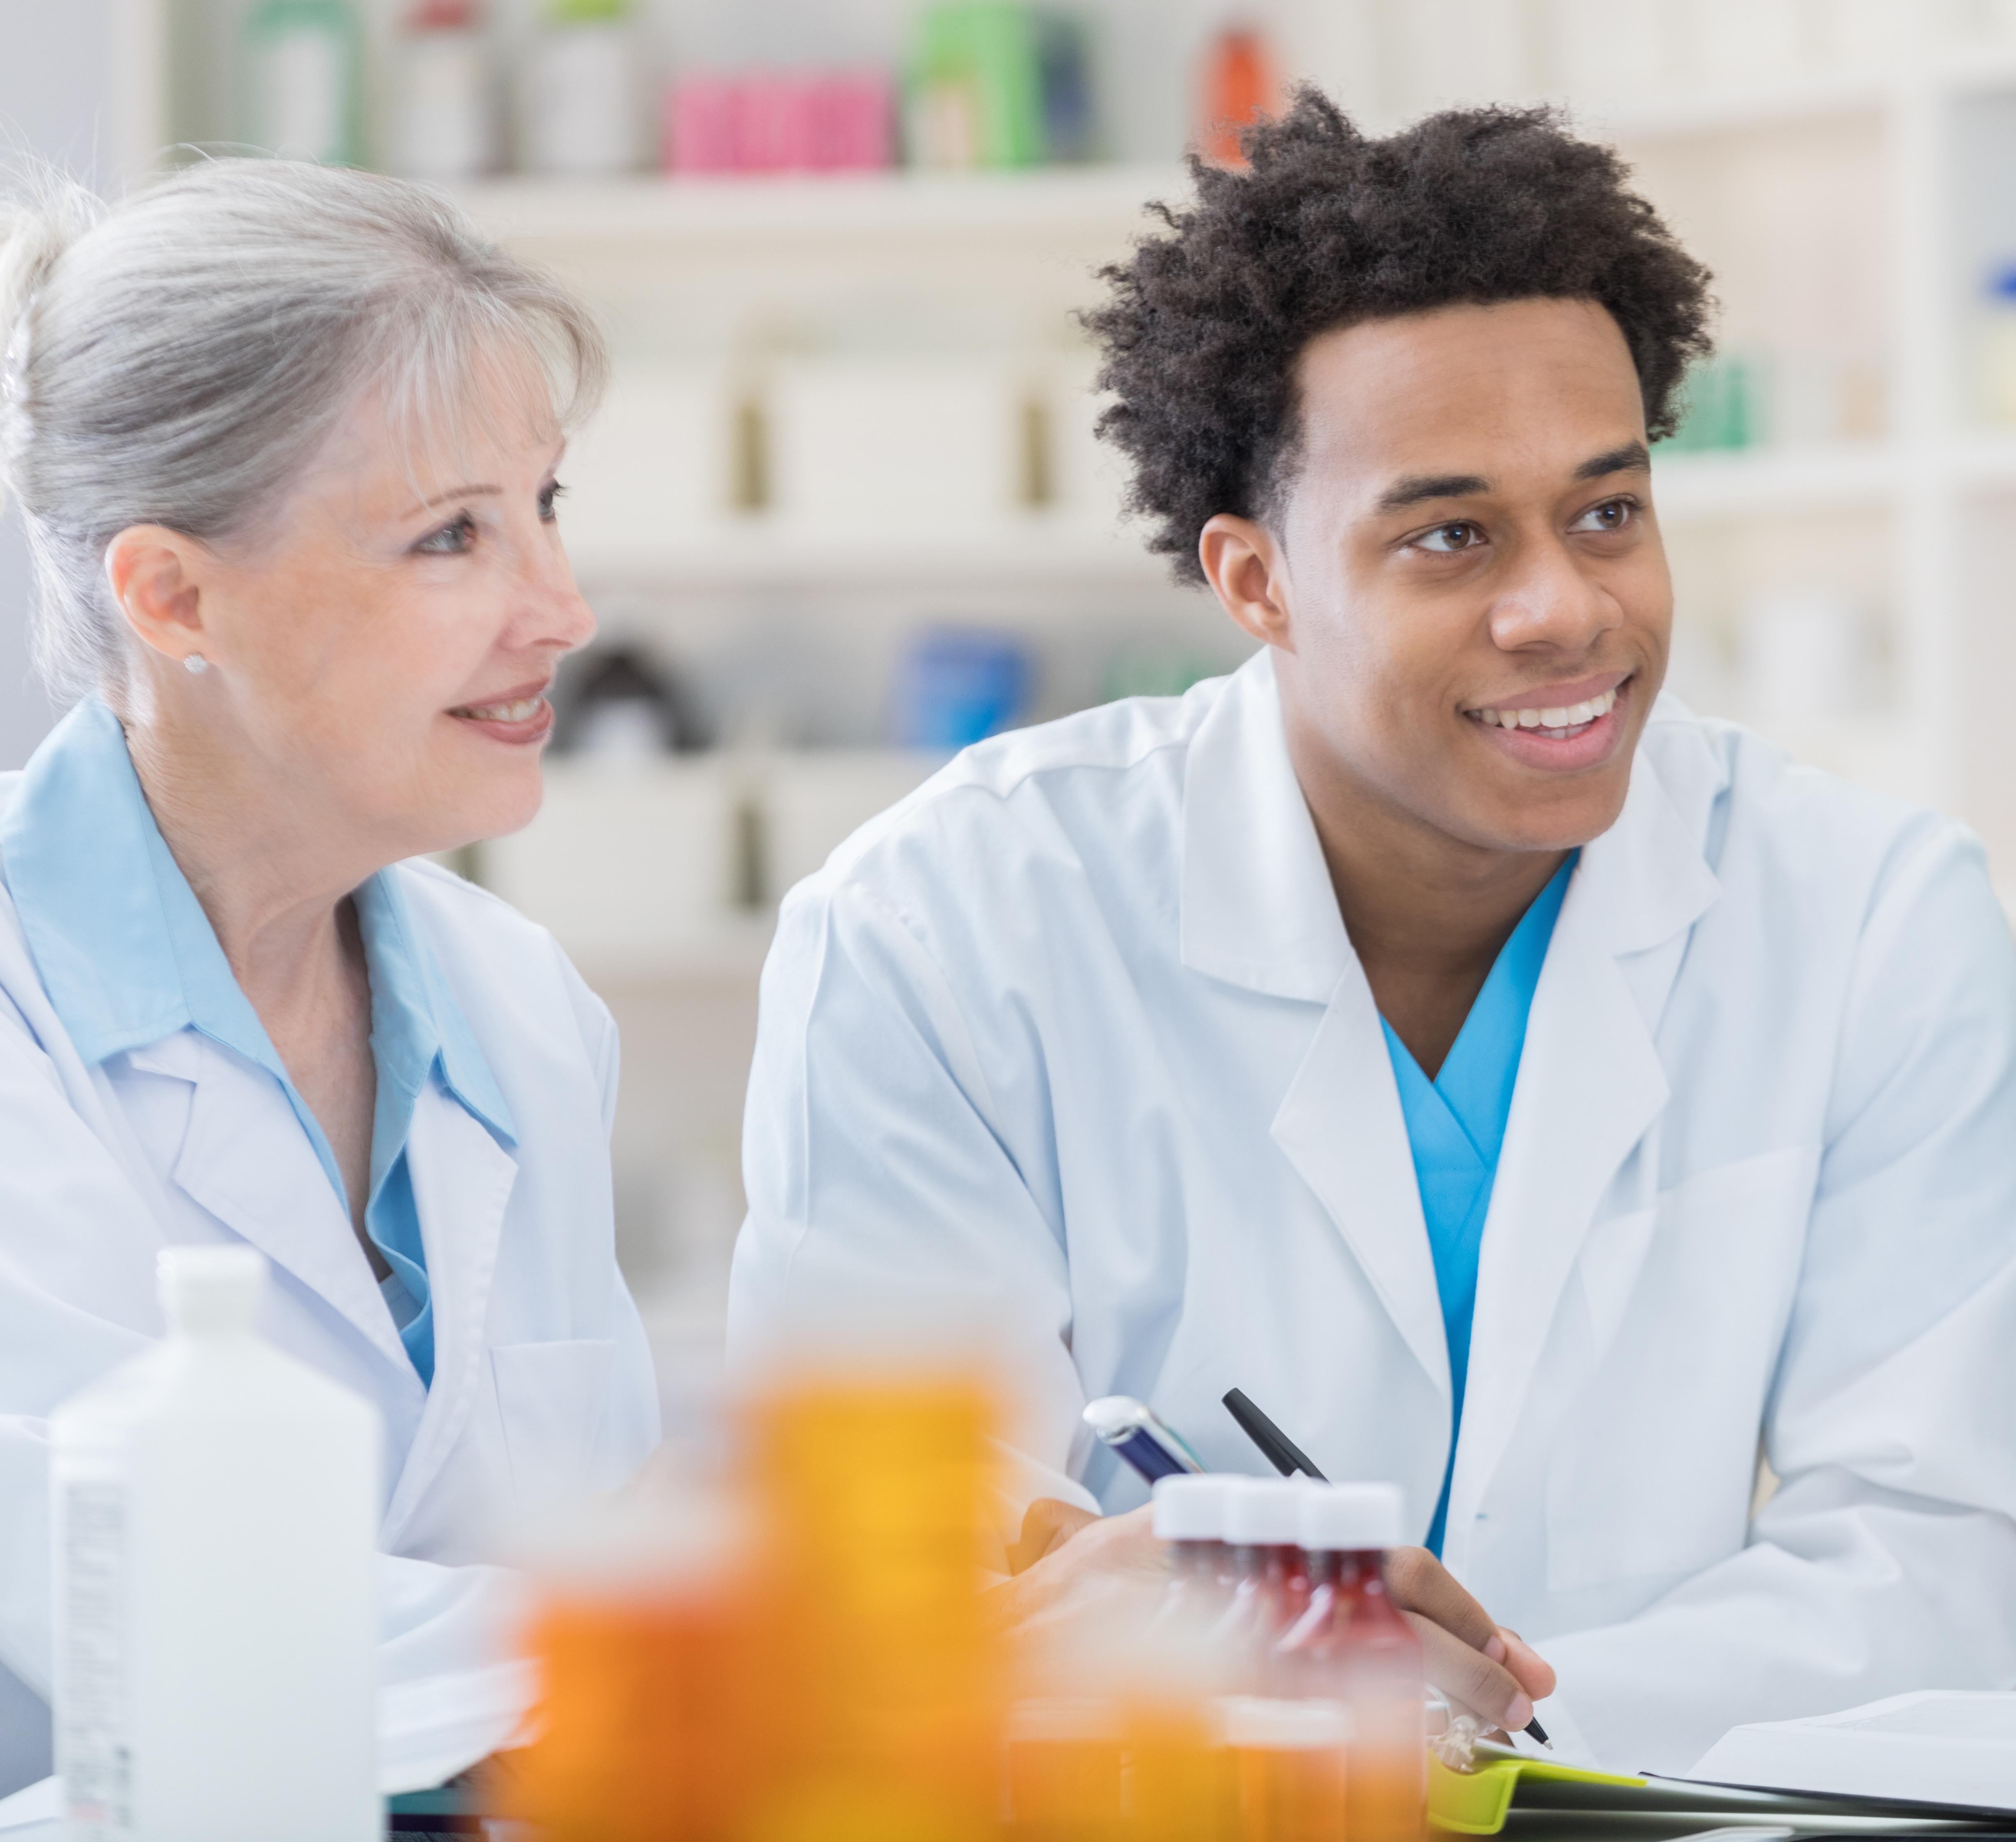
<point x="1047" y="1525"/>
<point x="1470" y="1679"/>
<point x="1420" y="1582"/>
<point x="1536" y="1674"/>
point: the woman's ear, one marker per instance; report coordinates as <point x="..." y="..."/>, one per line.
<point x="1243" y="562"/>
<point x="156" y="577"/>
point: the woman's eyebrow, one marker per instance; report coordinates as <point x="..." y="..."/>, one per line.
<point x="453" y="492"/>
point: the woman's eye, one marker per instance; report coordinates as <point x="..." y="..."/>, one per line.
<point x="549" y="498"/>
<point x="1446" y="538"/>
<point x="450" y="540"/>
<point x="1613" y="515"/>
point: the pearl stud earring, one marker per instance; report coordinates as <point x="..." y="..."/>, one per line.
<point x="195" y="662"/>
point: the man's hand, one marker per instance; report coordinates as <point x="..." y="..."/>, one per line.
<point x="1069" y="1562"/>
<point x="1478" y="1665"/>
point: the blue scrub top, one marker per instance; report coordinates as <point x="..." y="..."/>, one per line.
<point x="128" y="956"/>
<point x="1455" y="1129"/>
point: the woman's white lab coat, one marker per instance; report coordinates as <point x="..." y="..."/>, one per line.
<point x="542" y="1386"/>
<point x="1079" y="1026"/>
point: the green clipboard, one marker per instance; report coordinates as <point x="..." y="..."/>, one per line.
<point x="1477" y="1803"/>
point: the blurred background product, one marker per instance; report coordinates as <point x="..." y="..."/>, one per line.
<point x="958" y="688"/>
<point x="445" y="123"/>
<point x="623" y="709"/>
<point x="303" y="80"/>
<point x="1240" y="88"/>
<point x="580" y="90"/>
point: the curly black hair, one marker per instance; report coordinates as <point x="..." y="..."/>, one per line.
<point x="1325" y="227"/>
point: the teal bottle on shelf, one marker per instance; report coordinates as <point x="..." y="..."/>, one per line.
<point x="302" y="81"/>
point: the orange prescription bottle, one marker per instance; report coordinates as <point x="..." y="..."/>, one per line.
<point x="1352" y="1646"/>
<point x="871" y="1484"/>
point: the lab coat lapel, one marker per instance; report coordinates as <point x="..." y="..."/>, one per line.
<point x="1341" y="1127"/>
<point x="247" y="1160"/>
<point x="463" y="1179"/>
<point x="1259" y="912"/>
<point x="1590" y="1085"/>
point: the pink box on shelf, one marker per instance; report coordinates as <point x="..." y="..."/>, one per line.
<point x="780" y="122"/>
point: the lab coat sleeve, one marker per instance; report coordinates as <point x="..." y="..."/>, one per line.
<point x="881" y="1182"/>
<point x="1886" y="1561"/>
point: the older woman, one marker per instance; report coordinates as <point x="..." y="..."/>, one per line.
<point x="285" y="440"/>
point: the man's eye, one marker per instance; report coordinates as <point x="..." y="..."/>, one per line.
<point x="549" y="498"/>
<point x="450" y="540"/>
<point x="1613" y="515"/>
<point x="1445" y="539"/>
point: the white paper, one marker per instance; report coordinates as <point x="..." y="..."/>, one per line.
<point x="1939" y="1746"/>
<point x="38" y="1803"/>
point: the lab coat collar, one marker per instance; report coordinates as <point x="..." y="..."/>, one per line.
<point x="128" y="956"/>
<point x="1591" y="1086"/>
<point x="1258" y="909"/>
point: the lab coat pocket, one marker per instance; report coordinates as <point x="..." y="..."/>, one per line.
<point x="552" y="1398"/>
<point x="1685" y="1305"/>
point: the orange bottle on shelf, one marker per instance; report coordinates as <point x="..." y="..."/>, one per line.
<point x="1352" y="1646"/>
<point x="1240" y="88"/>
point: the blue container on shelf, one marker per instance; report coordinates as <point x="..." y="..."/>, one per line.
<point x="955" y="686"/>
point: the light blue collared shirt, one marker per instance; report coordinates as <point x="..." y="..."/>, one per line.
<point x="1455" y="1129"/>
<point x="128" y="956"/>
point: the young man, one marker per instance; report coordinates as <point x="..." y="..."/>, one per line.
<point x="1524" y="1089"/>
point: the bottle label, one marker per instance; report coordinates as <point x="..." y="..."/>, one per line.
<point x="93" y="1750"/>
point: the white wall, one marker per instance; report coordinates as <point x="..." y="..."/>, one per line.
<point x="55" y="103"/>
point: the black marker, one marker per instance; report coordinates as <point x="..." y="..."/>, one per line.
<point x="1288" y="1458"/>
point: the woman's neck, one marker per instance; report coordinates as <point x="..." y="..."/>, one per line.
<point x="266" y="874"/>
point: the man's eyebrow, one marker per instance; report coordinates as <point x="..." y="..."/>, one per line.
<point x="1629" y="459"/>
<point x="453" y="492"/>
<point x="1414" y="488"/>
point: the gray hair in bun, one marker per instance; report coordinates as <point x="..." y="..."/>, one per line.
<point x="179" y="357"/>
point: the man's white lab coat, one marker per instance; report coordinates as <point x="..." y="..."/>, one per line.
<point x="1078" y="1024"/>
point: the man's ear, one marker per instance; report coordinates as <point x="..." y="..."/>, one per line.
<point x="1248" y="572"/>
<point x="155" y="575"/>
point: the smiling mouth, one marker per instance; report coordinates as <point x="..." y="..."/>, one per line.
<point x="517" y="710"/>
<point x="1554" y="722"/>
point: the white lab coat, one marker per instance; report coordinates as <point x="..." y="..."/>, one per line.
<point x="1078" y="1023"/>
<point x="543" y="1388"/>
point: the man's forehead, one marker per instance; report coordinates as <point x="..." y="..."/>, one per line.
<point x="1469" y="394"/>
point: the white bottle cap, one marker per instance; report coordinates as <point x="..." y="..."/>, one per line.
<point x="1191" y="1508"/>
<point x="1343" y="1518"/>
<point x="209" y="1292"/>
<point x="1262" y="1512"/>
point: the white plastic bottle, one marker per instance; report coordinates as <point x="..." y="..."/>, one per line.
<point x="215" y="1507"/>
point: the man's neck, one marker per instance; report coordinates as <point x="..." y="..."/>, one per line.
<point x="1426" y="913"/>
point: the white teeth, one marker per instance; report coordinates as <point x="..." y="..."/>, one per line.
<point x="519" y="710"/>
<point x="1554" y="716"/>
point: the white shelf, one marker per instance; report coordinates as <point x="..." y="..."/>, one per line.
<point x="1847" y="476"/>
<point x="761" y="212"/>
<point x="760" y="552"/>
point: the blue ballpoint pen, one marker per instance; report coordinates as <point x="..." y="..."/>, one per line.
<point x="1133" y="1431"/>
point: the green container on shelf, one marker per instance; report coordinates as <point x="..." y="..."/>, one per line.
<point x="1722" y="399"/>
<point x="302" y="83"/>
<point x="977" y="86"/>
